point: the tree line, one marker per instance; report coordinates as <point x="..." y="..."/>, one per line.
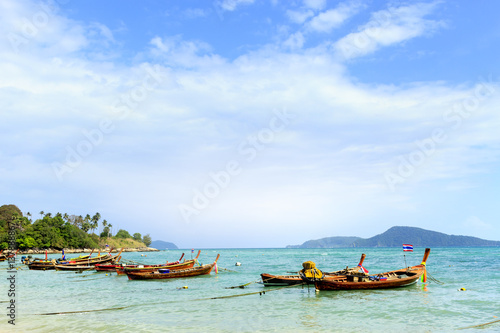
<point x="58" y="231"/>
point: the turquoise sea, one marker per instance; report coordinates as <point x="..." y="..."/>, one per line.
<point x="164" y="306"/>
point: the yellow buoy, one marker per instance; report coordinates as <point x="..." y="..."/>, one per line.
<point x="185" y="287"/>
<point x="462" y="289"/>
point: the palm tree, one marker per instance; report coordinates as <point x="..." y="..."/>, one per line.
<point x="29" y="214"/>
<point x="79" y="221"/>
<point x="41" y="214"/>
<point x="95" y="220"/>
<point x="86" y="222"/>
<point x="104" y="224"/>
<point x="110" y="228"/>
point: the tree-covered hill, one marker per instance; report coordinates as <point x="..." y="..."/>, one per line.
<point x="59" y="231"/>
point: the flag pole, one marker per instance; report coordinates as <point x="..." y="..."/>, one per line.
<point x="407" y="248"/>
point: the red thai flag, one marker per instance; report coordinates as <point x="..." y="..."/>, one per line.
<point x="407" y="248"/>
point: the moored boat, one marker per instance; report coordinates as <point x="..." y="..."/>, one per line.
<point x="77" y="268"/>
<point x="150" y="268"/>
<point x="392" y="279"/>
<point x="114" y="267"/>
<point x="280" y="280"/>
<point x="170" y="274"/>
<point x="288" y="280"/>
<point x="88" y="261"/>
<point x="7" y="254"/>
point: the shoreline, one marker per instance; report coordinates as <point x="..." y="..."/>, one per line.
<point x="72" y="251"/>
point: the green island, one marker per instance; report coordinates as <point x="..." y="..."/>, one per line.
<point x="396" y="236"/>
<point x="64" y="231"/>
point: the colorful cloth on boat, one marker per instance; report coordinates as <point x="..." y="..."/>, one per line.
<point x="364" y="270"/>
<point x="310" y="270"/>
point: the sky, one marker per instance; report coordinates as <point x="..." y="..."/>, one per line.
<point x="253" y="123"/>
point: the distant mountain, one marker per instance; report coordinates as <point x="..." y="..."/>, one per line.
<point x="329" y="242"/>
<point x="161" y="245"/>
<point x="395" y="237"/>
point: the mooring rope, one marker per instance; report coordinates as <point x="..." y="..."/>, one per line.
<point x="8" y="268"/>
<point x="480" y="325"/>
<point x="82" y="276"/>
<point x="262" y="292"/>
<point x="104" y="277"/>
<point x="227" y="270"/>
<point x="432" y="278"/>
<point x="84" y="311"/>
<point x="243" y="285"/>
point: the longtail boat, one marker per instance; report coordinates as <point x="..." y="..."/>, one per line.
<point x="64" y="265"/>
<point x="45" y="264"/>
<point x="9" y="254"/>
<point x="288" y="280"/>
<point x="150" y="268"/>
<point x="116" y="266"/>
<point x="101" y="259"/>
<point x="393" y="279"/>
<point x="108" y="267"/>
<point x="77" y="268"/>
<point x="169" y="274"/>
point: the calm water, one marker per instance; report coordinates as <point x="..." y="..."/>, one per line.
<point x="159" y="306"/>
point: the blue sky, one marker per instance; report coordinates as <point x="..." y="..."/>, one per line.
<point x="253" y="123"/>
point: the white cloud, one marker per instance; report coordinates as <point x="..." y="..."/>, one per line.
<point x="388" y="27"/>
<point x="333" y="18"/>
<point x="295" y="41"/>
<point x="299" y="16"/>
<point x="189" y="123"/>
<point x="178" y="52"/>
<point x="315" y="4"/>
<point x="231" y="5"/>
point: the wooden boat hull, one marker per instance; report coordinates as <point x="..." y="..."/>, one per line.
<point x="183" y="273"/>
<point x="280" y="280"/>
<point x="175" y="267"/>
<point x="393" y="279"/>
<point x="41" y="266"/>
<point x="149" y="268"/>
<point x="106" y="267"/>
<point x="288" y="280"/>
<point x="80" y="268"/>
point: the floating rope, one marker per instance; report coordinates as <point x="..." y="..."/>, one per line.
<point x="8" y="268"/>
<point x="104" y="277"/>
<point x="252" y="293"/>
<point x="480" y="325"/>
<point x="131" y="262"/>
<point x="433" y="279"/>
<point x="84" y="311"/>
<point x="82" y="276"/>
<point x="263" y="292"/>
<point x="227" y="270"/>
<point x="243" y="285"/>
